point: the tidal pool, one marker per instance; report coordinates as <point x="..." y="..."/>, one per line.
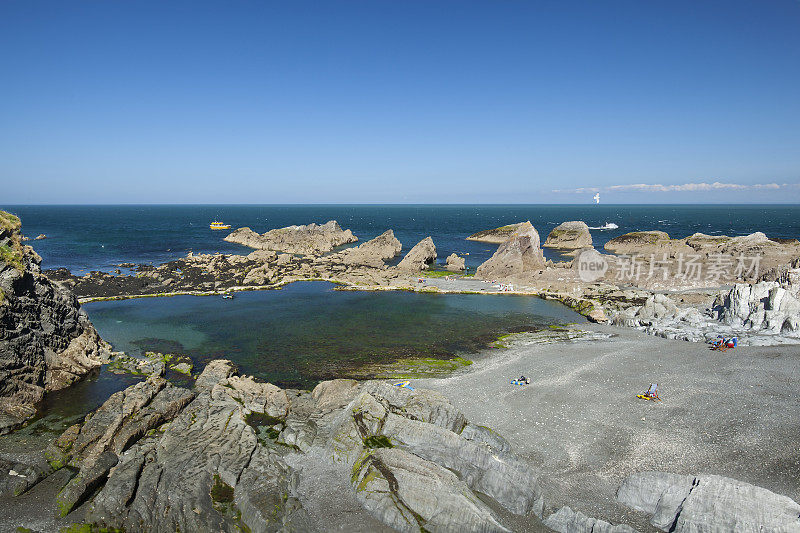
<point x="308" y="331"/>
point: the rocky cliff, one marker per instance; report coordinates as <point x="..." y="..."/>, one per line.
<point x="46" y="340"/>
<point x="234" y="454"/>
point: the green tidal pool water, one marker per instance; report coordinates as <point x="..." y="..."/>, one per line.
<point x="308" y="331"/>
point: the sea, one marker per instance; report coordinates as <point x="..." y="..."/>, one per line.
<point x="100" y="237"/>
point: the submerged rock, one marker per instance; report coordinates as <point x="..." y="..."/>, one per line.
<point x="569" y="236"/>
<point x="520" y="253"/>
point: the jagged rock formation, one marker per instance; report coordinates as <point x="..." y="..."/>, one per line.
<point x="46" y="340"/>
<point x="235" y="454"/>
<point x="710" y="503"/>
<point x="311" y="239"/>
<point x="569" y="236"/>
<point x="495" y="236"/>
<point x="420" y="257"/>
<point x="373" y="252"/>
<point x="455" y="263"/>
<point x="760" y="314"/>
<point x="565" y="520"/>
<point x="520" y="253"/>
<point x="765" y="307"/>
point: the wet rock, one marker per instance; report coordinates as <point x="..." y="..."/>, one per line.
<point x="569" y="236"/>
<point x="420" y="257"/>
<point x="708" y="503"/>
<point x="520" y="253"/>
<point x="455" y="263"/>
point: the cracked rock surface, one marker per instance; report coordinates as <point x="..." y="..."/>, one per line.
<point x="236" y="454"/>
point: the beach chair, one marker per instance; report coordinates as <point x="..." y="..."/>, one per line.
<point x="720" y="344"/>
<point x="651" y="394"/>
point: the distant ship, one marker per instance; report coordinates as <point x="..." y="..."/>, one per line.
<point x="219" y="225"/>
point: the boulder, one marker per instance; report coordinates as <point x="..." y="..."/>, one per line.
<point x="520" y="253"/>
<point x="420" y="257"/>
<point x="455" y="263"/>
<point x="569" y="236"/>
<point x="311" y="239"/>
<point x="708" y="503"/>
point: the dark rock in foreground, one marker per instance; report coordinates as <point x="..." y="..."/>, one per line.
<point x="46" y="340"/>
<point x="235" y="454"/>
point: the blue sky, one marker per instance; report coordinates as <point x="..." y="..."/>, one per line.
<point x="390" y="101"/>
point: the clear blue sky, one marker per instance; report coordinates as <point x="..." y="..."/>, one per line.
<point x="399" y="101"/>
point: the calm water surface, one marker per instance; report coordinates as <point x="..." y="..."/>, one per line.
<point x="308" y="331"/>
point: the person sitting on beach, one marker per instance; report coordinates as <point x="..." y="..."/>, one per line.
<point x="523" y="379"/>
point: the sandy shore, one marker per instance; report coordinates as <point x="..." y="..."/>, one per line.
<point x="735" y="414"/>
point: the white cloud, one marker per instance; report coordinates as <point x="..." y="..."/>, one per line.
<point x="657" y="187"/>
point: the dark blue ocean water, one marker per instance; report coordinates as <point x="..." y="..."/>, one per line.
<point x="100" y="237"/>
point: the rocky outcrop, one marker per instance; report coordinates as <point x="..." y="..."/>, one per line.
<point x="639" y="242"/>
<point x="495" y="236"/>
<point x="697" y="261"/>
<point x="569" y="236"/>
<point x="565" y="520"/>
<point x="708" y="503"/>
<point x="420" y="257"/>
<point x="234" y="454"/>
<point x="455" y="263"/>
<point x="46" y="340"/>
<point x="520" y="253"/>
<point x="759" y="314"/>
<point x="764" y="307"/>
<point x="311" y="239"/>
<point x="373" y="252"/>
